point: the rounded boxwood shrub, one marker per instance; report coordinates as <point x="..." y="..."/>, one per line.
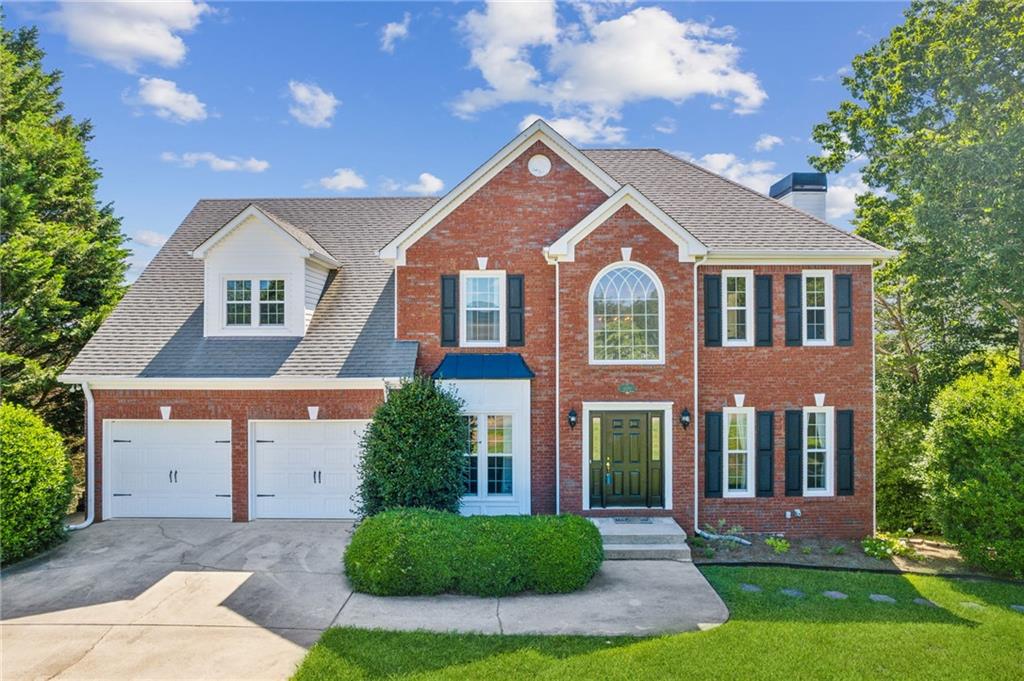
<point x="976" y="449"/>
<point x="422" y="552"/>
<point x="413" y="450"/>
<point x="35" y="484"/>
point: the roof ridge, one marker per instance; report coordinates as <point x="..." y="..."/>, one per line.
<point x="319" y="198"/>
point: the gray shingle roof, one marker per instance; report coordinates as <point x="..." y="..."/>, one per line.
<point x="157" y="329"/>
<point x="722" y="214"/>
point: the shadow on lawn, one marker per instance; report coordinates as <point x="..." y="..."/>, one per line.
<point x="380" y="654"/>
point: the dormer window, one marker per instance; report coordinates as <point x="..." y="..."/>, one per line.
<point x="239" y="301"/>
<point x="271" y="302"/>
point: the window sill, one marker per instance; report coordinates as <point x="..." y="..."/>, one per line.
<point x="818" y="493"/>
<point x="626" y="362"/>
<point x="737" y="495"/>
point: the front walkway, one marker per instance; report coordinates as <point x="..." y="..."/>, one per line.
<point x="197" y="599"/>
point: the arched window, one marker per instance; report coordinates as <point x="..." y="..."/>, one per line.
<point x="626" y="316"/>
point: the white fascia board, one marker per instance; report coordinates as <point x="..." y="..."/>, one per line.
<point x="565" y="247"/>
<point x="272" y="383"/>
<point x="254" y="211"/>
<point x="738" y="256"/>
<point x="394" y="252"/>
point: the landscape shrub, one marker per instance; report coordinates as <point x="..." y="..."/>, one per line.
<point x="885" y="545"/>
<point x="413" y="450"/>
<point x="35" y="484"/>
<point x="423" y="552"/>
<point x="901" y="476"/>
<point x="976" y="467"/>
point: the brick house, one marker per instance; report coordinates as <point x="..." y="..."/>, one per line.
<point x="630" y="333"/>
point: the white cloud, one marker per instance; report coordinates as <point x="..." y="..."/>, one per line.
<point x="594" y="69"/>
<point x="216" y="163"/>
<point x="393" y="32"/>
<point x="666" y="125"/>
<point x="150" y="238"/>
<point x="167" y="101"/>
<point x="125" y="34"/>
<point x="767" y="142"/>
<point x="842" y="195"/>
<point x="311" y="104"/>
<point x="757" y="174"/>
<point x="343" y="179"/>
<point x="582" y="130"/>
<point x="428" y="184"/>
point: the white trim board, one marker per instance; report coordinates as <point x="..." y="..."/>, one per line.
<point x="394" y="251"/>
<point x="254" y="211"/>
<point x="665" y="407"/>
<point x="564" y="249"/>
<point x="270" y="383"/>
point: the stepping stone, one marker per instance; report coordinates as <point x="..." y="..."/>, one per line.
<point x="925" y="602"/>
<point x="882" y="598"/>
<point x="752" y="588"/>
<point x="834" y="595"/>
<point x="792" y="593"/>
<point x="1018" y="608"/>
<point x="972" y="605"/>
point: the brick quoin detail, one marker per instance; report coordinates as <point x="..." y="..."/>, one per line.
<point x="238" y="406"/>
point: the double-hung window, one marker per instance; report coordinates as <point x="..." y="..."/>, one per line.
<point x="738" y="461"/>
<point x="471" y="468"/>
<point x="239" y="302"/>
<point x="819" y="451"/>
<point x="817" y="307"/>
<point x="738" y="320"/>
<point x="483" y="308"/>
<point x="499" y="455"/>
<point x="489" y="466"/>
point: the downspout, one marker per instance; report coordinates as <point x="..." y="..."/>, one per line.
<point x="558" y="404"/>
<point x="696" y="403"/>
<point x="90" y="461"/>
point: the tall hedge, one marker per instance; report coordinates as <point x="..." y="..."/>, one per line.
<point x="976" y="450"/>
<point x="413" y="450"/>
<point x="35" y="484"/>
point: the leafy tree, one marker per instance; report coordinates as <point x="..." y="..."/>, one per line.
<point x="62" y="255"/>
<point x="414" y="450"/>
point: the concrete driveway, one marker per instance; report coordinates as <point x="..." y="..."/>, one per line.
<point x="181" y="599"/>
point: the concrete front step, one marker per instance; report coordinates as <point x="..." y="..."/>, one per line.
<point x="647" y="552"/>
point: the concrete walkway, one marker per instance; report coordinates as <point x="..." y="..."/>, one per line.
<point x="199" y="599"/>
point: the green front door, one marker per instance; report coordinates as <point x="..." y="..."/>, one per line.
<point x="626" y="459"/>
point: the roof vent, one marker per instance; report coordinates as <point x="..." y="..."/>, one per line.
<point x="805" y="191"/>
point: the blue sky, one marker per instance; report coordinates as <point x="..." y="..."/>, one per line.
<point x="193" y="100"/>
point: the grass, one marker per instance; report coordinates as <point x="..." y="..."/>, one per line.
<point x="769" y="636"/>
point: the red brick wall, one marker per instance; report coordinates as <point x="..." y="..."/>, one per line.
<point x="508" y="220"/>
<point x="778" y="378"/>
<point x="668" y="382"/>
<point x="237" y="405"/>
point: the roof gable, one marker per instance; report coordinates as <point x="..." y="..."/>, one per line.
<point x="395" y="250"/>
<point x="300" y="237"/>
<point x="564" y="249"/>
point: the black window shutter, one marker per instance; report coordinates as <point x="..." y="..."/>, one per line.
<point x="713" y="454"/>
<point x="449" y="309"/>
<point x="794" y="452"/>
<point x="763" y="310"/>
<point x="765" y="453"/>
<point x="844" y="451"/>
<point x="515" y="334"/>
<point x="794" y="334"/>
<point x="712" y="310"/>
<point x="844" y="309"/>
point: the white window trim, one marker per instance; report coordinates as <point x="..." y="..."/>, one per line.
<point x="661" y="315"/>
<point x="254" y="301"/>
<point x="830" y="452"/>
<point x="482" y="455"/>
<point x="751" y="416"/>
<point x="748" y="276"/>
<point x="829" y="320"/>
<point x="465" y="276"/>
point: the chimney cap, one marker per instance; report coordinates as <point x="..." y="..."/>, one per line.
<point x="799" y="182"/>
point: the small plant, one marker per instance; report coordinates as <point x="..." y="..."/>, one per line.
<point x="806" y="550"/>
<point x="778" y="544"/>
<point x="723" y="528"/>
<point x="885" y="545"/>
<point x="709" y="552"/>
<point x="698" y="542"/>
<point x="837" y="550"/>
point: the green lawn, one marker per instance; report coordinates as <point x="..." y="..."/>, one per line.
<point x="769" y="636"/>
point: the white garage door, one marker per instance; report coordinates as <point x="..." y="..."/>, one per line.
<point x="169" y="469"/>
<point x="305" y="469"/>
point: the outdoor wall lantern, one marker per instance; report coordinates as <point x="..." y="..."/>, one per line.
<point x="573" y="418"/>
<point x="684" y="418"/>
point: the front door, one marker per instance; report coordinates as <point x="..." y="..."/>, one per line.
<point x="626" y="459"/>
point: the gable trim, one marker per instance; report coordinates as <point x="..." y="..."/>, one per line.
<point x="564" y="249"/>
<point x="254" y="211"/>
<point x="394" y="252"/>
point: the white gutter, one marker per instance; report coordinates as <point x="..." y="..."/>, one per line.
<point x="558" y="403"/>
<point x="90" y="460"/>
<point x="696" y="404"/>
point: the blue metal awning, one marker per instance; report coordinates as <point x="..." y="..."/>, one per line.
<point x="470" y="366"/>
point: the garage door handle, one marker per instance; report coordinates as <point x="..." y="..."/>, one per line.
<point x="121" y="494"/>
<point x="224" y="495"/>
<point x="175" y="476"/>
<point x="260" y="441"/>
<point x="266" y="495"/>
<point x="222" y="442"/>
<point x="122" y="440"/>
<point x="320" y="477"/>
<point x="170" y="476"/>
